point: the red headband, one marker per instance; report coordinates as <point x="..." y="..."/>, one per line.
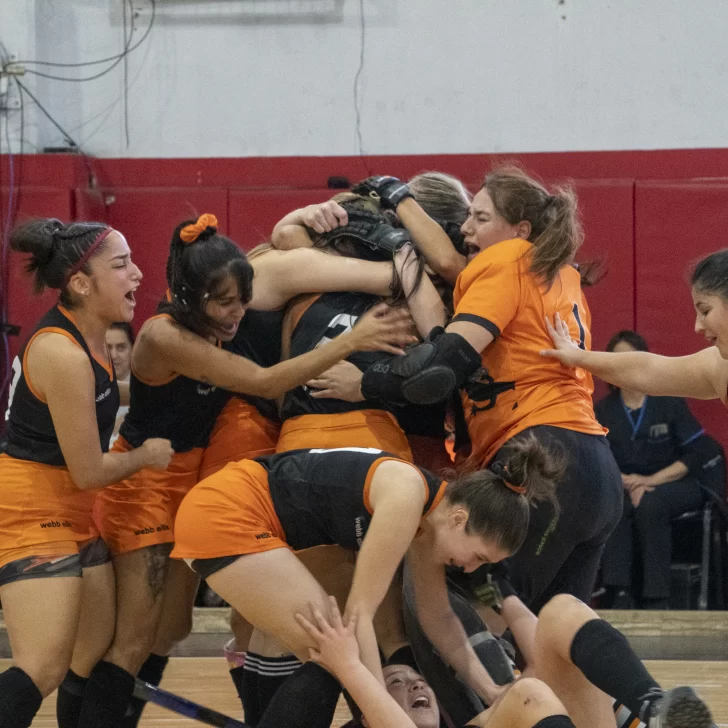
<point x="81" y="262"/>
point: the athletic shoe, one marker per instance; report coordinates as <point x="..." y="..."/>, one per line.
<point x="677" y="708"/>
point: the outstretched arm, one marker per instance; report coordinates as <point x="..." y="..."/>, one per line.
<point x="281" y="275"/>
<point x="337" y="650"/>
<point x="431" y="240"/>
<point x="442" y="626"/>
<point x="701" y="376"/>
<point x="423" y="300"/>
<point x="164" y="349"/>
<point x="396" y="498"/>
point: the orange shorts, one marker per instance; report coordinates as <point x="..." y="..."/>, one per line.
<point x="230" y="513"/>
<point x="40" y="505"/>
<point x="140" y="510"/>
<point x="240" y="433"/>
<point x="361" y="428"/>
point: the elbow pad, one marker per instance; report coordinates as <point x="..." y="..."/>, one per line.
<point x="428" y="373"/>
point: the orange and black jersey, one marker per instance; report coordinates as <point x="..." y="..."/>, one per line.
<point x="322" y="496"/>
<point x="30" y="434"/>
<point x="181" y="409"/>
<point x="258" y="338"/>
<point x="315" y="322"/>
<point x="498" y="291"/>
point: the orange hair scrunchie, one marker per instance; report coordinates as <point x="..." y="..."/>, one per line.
<point x="190" y="233"/>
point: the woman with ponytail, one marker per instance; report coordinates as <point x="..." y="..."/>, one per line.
<point x="183" y="371"/>
<point x="61" y="412"/>
<point x="240" y="527"/>
<point x="521" y="242"/>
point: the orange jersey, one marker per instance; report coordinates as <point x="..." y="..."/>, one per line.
<point x="497" y="291"/>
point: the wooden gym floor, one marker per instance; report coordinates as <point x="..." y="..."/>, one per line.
<point x="205" y="680"/>
<point x="682" y="647"/>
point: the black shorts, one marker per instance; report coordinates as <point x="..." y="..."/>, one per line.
<point x="563" y="556"/>
<point x="43" y="567"/>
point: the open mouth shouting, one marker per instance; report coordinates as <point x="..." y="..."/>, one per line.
<point x="421" y="702"/>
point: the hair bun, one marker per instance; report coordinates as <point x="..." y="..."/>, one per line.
<point x="206" y="225"/>
<point x="37" y="238"/>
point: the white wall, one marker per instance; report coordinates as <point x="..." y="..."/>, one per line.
<point x="276" y="77"/>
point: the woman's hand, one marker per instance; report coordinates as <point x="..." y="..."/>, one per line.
<point x="157" y="453"/>
<point x="324" y="217"/>
<point x="383" y="328"/>
<point x="342" y="381"/>
<point x="636" y="487"/>
<point x="565" y="349"/>
<point x="336" y="647"/>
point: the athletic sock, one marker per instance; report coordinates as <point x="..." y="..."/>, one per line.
<point x="70" y="700"/>
<point x="272" y="673"/>
<point x="151" y="672"/>
<point x="249" y="694"/>
<point x="106" y="698"/>
<point x="605" y="657"/>
<point x="236" y="675"/>
<point x="20" y="699"/>
<point x="307" y="699"/>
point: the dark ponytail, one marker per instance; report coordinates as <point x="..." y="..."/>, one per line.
<point x="199" y="261"/>
<point x="499" y="498"/>
<point x="56" y="250"/>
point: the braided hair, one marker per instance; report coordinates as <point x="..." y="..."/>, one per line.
<point x="55" y="250"/>
<point x="199" y="261"/>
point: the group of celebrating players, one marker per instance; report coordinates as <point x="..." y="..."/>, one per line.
<point x="286" y="441"/>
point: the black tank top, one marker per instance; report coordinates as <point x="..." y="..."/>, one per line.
<point x="182" y="410"/>
<point x="259" y="339"/>
<point x="330" y="315"/>
<point x="30" y="434"/>
<point x="319" y="495"/>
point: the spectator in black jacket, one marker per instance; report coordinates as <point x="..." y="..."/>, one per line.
<point x="655" y="441"/>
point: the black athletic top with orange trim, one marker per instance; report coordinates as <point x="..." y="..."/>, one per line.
<point x="327" y="316"/>
<point x="258" y="338"/>
<point x="322" y="496"/>
<point x="30" y="434"/>
<point x="182" y="410"/>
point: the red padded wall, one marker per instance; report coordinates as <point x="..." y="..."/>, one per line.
<point x="647" y="233"/>
<point x="254" y="213"/>
<point x="677" y="223"/>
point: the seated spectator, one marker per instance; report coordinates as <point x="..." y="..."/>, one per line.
<point x="119" y="341"/>
<point x="655" y="443"/>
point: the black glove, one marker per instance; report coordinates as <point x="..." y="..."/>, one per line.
<point x="387" y="191"/>
<point x="373" y="231"/>
<point x="491" y="587"/>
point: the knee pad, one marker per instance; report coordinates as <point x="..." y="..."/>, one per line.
<point x="428" y="373"/>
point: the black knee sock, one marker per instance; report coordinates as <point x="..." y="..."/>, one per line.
<point x="236" y="675"/>
<point x="272" y="673"/>
<point x="603" y="654"/>
<point x="151" y="672"/>
<point x="107" y="695"/>
<point x="249" y="695"/>
<point x="307" y="699"/>
<point x="20" y="699"/>
<point x="70" y="700"/>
